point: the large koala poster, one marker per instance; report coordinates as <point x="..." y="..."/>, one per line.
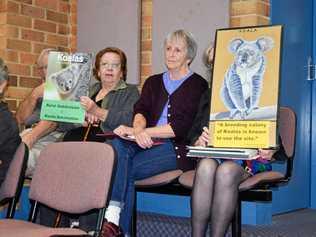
<point x="245" y="86"/>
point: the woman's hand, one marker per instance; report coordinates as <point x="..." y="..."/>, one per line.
<point x="142" y="138"/>
<point x="266" y="154"/>
<point x="85" y="123"/>
<point x="88" y="104"/>
<point x="29" y="139"/>
<point x="123" y="131"/>
<point x="203" y="138"/>
<point x="91" y="118"/>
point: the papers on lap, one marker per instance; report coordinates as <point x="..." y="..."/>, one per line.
<point x="222" y="153"/>
<point x="111" y="135"/>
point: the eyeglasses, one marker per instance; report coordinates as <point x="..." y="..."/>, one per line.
<point x="110" y="65"/>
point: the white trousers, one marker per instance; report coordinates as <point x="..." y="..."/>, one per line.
<point x="38" y="147"/>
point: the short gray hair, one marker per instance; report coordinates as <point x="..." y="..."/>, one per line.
<point x="43" y="53"/>
<point x="188" y="39"/>
<point x="3" y="71"/>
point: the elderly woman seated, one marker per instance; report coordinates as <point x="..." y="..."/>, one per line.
<point x="165" y="110"/>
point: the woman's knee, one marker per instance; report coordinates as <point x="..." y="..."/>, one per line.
<point x="206" y="168"/>
<point x="121" y="151"/>
<point x="229" y="172"/>
<point x="116" y="143"/>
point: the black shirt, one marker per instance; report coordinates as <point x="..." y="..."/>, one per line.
<point x="9" y="139"/>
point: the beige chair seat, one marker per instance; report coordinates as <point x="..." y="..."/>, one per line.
<point x="187" y="178"/>
<point x="264" y="177"/>
<point x="159" y="179"/>
<point x="18" y="228"/>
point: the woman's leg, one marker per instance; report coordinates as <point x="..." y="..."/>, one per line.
<point x="147" y="163"/>
<point x="125" y="151"/>
<point x="202" y="195"/>
<point x="127" y="211"/>
<point x="228" y="177"/>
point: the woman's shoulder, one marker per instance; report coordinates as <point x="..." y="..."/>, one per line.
<point x="198" y="79"/>
<point x="153" y="81"/>
<point x="6" y="117"/>
<point x="131" y="87"/>
<point x="4" y="111"/>
<point x="154" y="78"/>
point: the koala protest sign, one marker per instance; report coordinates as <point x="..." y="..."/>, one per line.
<point x="245" y="87"/>
<point x="67" y="79"/>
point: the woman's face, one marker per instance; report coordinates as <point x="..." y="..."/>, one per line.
<point x="110" y="68"/>
<point x="176" y="54"/>
<point x="42" y="66"/>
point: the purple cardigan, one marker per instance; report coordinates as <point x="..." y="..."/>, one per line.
<point x="182" y="109"/>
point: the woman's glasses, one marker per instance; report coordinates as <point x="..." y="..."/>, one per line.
<point x="110" y="65"/>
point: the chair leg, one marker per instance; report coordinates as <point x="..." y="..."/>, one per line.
<point x="99" y="222"/>
<point x="33" y="211"/>
<point x="236" y="221"/>
<point x="57" y="219"/>
<point x="134" y="217"/>
<point x="11" y="208"/>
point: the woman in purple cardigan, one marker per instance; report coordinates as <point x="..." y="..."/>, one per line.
<point x="165" y="110"/>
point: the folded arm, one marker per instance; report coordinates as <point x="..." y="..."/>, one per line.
<point x="27" y="107"/>
<point x="41" y="129"/>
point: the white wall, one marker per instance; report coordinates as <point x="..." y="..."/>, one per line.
<point x="104" y="23"/>
<point x="201" y="17"/>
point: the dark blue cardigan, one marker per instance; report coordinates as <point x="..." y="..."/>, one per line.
<point x="183" y="108"/>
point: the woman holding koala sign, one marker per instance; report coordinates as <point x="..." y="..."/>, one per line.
<point x="111" y="99"/>
<point x="110" y="104"/>
<point x="215" y="189"/>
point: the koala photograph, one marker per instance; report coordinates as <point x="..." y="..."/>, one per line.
<point x="243" y="81"/>
<point x="69" y="82"/>
<point x="68" y="79"/>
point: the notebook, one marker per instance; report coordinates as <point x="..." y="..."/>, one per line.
<point x="244" y="94"/>
<point x="222" y="153"/>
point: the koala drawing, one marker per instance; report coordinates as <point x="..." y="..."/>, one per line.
<point x="70" y="82"/>
<point x="242" y="85"/>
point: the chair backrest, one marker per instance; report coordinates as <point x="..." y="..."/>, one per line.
<point x="287" y="128"/>
<point x="73" y="177"/>
<point x="287" y="131"/>
<point x="12" y="185"/>
<point x="14" y="174"/>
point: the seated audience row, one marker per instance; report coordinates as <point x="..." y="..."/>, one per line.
<point x="173" y="107"/>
